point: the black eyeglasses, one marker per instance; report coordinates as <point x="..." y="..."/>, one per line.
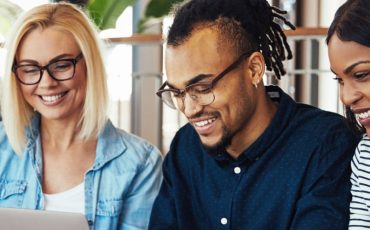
<point x="60" y="70"/>
<point x="201" y="93"/>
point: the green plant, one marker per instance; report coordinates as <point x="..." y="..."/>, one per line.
<point x="155" y="11"/>
<point x="105" y="12"/>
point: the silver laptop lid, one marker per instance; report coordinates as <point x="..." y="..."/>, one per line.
<point x="22" y="219"/>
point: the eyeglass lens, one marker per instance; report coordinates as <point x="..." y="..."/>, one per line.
<point x="59" y="70"/>
<point x="200" y="93"/>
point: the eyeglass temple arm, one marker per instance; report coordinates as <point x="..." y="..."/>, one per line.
<point x="159" y="92"/>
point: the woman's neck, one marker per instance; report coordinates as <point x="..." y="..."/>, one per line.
<point x="59" y="134"/>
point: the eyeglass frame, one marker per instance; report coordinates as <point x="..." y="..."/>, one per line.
<point x="45" y="67"/>
<point x="211" y="85"/>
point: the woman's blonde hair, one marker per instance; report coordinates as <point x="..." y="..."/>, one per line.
<point x="16" y="112"/>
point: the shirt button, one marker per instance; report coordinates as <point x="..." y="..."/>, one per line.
<point x="237" y="170"/>
<point x="223" y="221"/>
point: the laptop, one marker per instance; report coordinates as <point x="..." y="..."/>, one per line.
<point x="22" y="219"/>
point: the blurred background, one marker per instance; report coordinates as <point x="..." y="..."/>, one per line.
<point x="134" y="32"/>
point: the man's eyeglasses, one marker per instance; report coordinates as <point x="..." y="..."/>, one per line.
<point x="201" y="93"/>
<point x="60" y="70"/>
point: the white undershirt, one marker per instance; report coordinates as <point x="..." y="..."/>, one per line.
<point x="72" y="200"/>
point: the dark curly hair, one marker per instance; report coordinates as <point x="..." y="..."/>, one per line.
<point x="248" y="25"/>
<point x="352" y="23"/>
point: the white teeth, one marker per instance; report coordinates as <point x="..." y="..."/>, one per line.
<point x="205" y="122"/>
<point x="51" y="98"/>
<point x="363" y="115"/>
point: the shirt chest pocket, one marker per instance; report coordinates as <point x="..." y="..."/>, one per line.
<point x="109" y="207"/>
<point x="12" y="193"/>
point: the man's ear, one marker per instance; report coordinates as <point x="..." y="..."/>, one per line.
<point x="256" y="67"/>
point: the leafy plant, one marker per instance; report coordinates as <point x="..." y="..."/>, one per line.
<point x="155" y="11"/>
<point x="105" y="12"/>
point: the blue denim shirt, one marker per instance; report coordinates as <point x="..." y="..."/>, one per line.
<point x="119" y="188"/>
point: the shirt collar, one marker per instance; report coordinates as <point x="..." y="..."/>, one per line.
<point x="110" y="143"/>
<point x="286" y="108"/>
<point x="32" y="130"/>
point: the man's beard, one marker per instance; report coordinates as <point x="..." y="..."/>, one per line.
<point x="220" y="147"/>
<point x="244" y="111"/>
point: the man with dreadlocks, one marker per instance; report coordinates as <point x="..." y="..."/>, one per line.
<point x="250" y="157"/>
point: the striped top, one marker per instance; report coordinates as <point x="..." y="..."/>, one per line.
<point x="360" y="179"/>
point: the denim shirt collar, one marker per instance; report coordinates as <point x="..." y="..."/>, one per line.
<point x="33" y="145"/>
<point x="33" y="129"/>
<point x="109" y="146"/>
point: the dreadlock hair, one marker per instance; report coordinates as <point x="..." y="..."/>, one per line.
<point x="352" y="23"/>
<point x="249" y="25"/>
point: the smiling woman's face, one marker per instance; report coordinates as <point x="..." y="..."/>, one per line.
<point x="350" y="62"/>
<point x="51" y="98"/>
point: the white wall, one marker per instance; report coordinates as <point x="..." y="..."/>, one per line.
<point x="328" y="88"/>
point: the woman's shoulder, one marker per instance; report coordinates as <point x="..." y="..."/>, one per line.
<point x="364" y="142"/>
<point x="126" y="145"/>
<point x="7" y="153"/>
<point x="363" y="149"/>
<point x="135" y="142"/>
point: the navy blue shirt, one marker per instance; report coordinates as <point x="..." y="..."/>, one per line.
<point x="294" y="176"/>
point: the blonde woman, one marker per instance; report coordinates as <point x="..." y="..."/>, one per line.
<point x="59" y="151"/>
